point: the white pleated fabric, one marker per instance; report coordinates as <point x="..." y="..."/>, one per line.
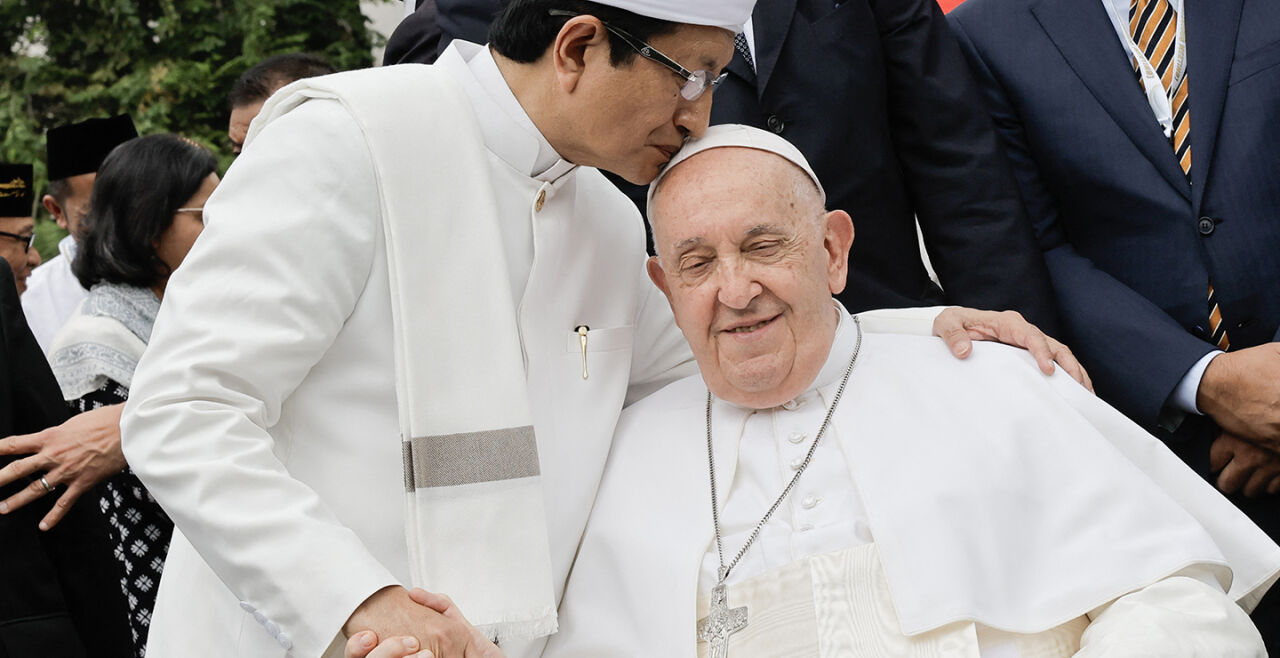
<point x="839" y="604"/>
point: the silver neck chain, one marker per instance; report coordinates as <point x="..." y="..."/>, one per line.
<point x="711" y="460"/>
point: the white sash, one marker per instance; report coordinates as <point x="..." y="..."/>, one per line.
<point x="475" y="520"/>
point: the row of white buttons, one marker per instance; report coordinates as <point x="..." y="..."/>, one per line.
<point x="796" y="438"/>
<point x="272" y="628"/>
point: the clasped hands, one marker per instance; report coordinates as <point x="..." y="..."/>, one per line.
<point x="1241" y="392"/>
<point x="399" y="623"/>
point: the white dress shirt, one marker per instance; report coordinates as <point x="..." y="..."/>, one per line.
<point x="52" y="295"/>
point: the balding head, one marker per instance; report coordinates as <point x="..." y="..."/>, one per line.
<point x="749" y="259"/>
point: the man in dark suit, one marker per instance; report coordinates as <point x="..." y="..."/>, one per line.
<point x="1137" y="223"/>
<point x="877" y="97"/>
<point x="61" y="590"/>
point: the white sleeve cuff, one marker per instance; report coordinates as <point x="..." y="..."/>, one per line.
<point x="1184" y="396"/>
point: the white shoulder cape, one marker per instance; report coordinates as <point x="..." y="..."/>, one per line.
<point x="996" y="495"/>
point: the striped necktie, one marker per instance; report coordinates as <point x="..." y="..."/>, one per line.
<point x="1153" y="25"/>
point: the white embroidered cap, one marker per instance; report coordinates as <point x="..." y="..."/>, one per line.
<point x="728" y="14"/>
<point x="733" y="134"/>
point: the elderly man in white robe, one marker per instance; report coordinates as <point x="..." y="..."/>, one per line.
<point x="823" y="490"/>
<point x="398" y="351"/>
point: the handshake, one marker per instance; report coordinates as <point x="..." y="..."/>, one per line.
<point x="399" y="623"/>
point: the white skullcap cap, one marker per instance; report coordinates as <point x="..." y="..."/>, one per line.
<point x="728" y="14"/>
<point x="733" y="134"/>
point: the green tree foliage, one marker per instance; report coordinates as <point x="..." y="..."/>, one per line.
<point x="167" y="63"/>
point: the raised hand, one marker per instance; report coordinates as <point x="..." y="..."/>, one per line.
<point x="77" y="454"/>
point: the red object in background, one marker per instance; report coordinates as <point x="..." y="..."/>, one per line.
<point x="948" y="5"/>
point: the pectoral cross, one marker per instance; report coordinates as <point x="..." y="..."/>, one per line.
<point x="721" y="622"/>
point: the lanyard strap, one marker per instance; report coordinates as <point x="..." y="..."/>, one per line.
<point x="1157" y="95"/>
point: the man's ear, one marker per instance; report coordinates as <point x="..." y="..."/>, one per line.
<point x="569" y="51"/>
<point x="55" y="210"/>
<point x="657" y="276"/>
<point x="838" y="240"/>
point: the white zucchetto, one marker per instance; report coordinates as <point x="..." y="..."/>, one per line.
<point x="728" y="14"/>
<point x="733" y="134"/>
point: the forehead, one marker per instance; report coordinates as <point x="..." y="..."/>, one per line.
<point x="242" y="115"/>
<point x="730" y="189"/>
<point x="17" y="224"/>
<point x="81" y="187"/>
<point x="697" y="46"/>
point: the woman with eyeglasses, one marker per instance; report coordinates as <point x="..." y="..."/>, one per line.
<point x="146" y="212"/>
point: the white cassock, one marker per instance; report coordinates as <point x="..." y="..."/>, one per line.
<point x="263" y="415"/>
<point x="953" y="508"/>
<point x="52" y="295"/>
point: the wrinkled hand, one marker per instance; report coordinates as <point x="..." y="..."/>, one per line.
<point x="1241" y="392"/>
<point x="958" y="326"/>
<point x="1244" y="465"/>
<point x="79" y="454"/>
<point x="413" y="621"/>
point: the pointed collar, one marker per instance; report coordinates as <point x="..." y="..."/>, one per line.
<point x="508" y="131"/>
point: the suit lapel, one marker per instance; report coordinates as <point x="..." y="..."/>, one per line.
<point x="770" y="22"/>
<point x="739" y="67"/>
<point x="1211" y="41"/>
<point x="1084" y="35"/>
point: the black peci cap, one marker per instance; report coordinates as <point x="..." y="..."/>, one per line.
<point x="16" y="190"/>
<point x="79" y="148"/>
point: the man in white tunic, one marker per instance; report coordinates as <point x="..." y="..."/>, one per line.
<point x="266" y="414"/>
<point x="74" y="153"/>
<point x="871" y="495"/>
<point x="397" y="352"/>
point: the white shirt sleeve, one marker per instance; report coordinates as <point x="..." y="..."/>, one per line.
<point x="1184" y="395"/>
<point x="1186" y="614"/>
<point x="285" y="256"/>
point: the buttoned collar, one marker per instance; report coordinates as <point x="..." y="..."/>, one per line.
<point x="508" y="131"/>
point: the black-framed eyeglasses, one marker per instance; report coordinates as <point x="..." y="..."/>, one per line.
<point x="25" y="240"/>
<point x="696" y="82"/>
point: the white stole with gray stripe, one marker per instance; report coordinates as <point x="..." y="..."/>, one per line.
<point x="475" y="519"/>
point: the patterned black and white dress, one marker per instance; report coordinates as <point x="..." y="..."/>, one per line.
<point x="94" y="359"/>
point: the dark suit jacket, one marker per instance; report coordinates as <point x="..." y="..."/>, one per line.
<point x="877" y="97"/>
<point x="59" y="590"/>
<point x="1130" y="245"/>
